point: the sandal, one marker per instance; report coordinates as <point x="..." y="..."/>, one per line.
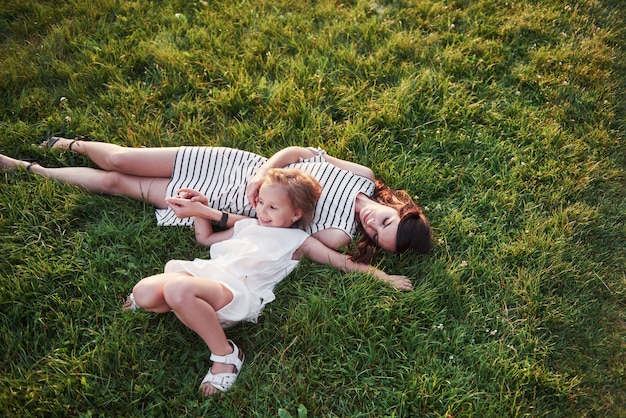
<point x="30" y="164"/>
<point x="49" y="143"/>
<point x="130" y="304"/>
<point x="224" y="381"/>
<point x="53" y="140"/>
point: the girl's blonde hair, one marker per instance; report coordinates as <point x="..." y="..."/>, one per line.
<point x="302" y="188"/>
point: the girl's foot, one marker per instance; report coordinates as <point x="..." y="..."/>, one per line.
<point x="223" y="372"/>
<point x="130" y="304"/>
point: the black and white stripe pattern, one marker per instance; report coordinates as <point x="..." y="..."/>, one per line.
<point x="335" y="207"/>
<point x="222" y="174"/>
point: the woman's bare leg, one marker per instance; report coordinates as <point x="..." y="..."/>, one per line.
<point x="142" y="162"/>
<point x="149" y="189"/>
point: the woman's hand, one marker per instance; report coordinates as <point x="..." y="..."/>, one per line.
<point x="252" y="189"/>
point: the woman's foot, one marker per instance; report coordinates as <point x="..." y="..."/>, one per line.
<point x="223" y="372"/>
<point x="57" y="142"/>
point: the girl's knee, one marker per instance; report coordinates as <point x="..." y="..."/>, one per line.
<point x="178" y="291"/>
<point x="146" y="296"/>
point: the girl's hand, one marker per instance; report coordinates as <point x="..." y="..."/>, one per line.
<point x="193" y="195"/>
<point x="186" y="207"/>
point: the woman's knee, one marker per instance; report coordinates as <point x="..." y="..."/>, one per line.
<point x="120" y="160"/>
<point x="112" y="182"/>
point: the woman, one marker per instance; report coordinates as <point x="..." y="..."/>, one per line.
<point x="351" y="199"/>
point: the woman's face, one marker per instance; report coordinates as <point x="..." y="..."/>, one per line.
<point x="274" y="208"/>
<point x="380" y="223"/>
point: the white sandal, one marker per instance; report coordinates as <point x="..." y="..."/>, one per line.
<point x="130" y="304"/>
<point x="224" y="381"/>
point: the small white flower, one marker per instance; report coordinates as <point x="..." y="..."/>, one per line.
<point x="451" y="358"/>
<point x="68" y="118"/>
<point x="463" y="263"/>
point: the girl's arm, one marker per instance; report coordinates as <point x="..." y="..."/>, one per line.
<point x="190" y="203"/>
<point x="292" y="155"/>
<point x="318" y="252"/>
<point x="205" y="235"/>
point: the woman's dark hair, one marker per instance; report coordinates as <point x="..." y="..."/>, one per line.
<point x="414" y="232"/>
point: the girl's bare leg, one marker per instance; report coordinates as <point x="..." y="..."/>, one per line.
<point x="149" y="189"/>
<point x="142" y="162"/>
<point x="194" y="300"/>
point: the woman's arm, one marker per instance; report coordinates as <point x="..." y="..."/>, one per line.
<point x="292" y="155"/>
<point x="318" y="252"/>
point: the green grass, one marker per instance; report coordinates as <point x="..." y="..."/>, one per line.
<point x="505" y="119"/>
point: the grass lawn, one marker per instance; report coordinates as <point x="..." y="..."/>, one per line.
<point x="505" y="119"/>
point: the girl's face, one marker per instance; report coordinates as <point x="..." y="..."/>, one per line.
<point x="380" y="223"/>
<point x="274" y="208"/>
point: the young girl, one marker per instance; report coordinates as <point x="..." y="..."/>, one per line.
<point x="247" y="261"/>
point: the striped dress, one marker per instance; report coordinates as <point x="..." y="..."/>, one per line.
<point x="221" y="174"/>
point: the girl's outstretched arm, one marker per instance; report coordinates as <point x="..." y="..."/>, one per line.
<point x="316" y="251"/>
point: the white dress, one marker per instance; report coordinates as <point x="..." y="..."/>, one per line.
<point x="250" y="265"/>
